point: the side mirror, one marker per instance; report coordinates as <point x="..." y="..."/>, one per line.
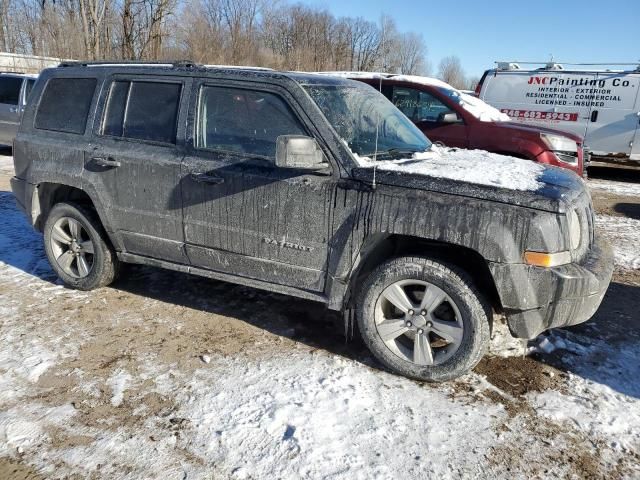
<point x="449" y="117"/>
<point x="297" y="151"/>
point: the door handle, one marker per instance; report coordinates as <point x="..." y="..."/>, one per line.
<point x="209" y="178"/>
<point x="13" y="109"/>
<point x="105" y="162"/>
<point x="594" y="116"/>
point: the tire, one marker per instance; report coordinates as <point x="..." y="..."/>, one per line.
<point x="98" y="268"/>
<point x="447" y="337"/>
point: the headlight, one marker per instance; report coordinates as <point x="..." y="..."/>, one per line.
<point x="559" y="143"/>
<point x="575" y="230"/>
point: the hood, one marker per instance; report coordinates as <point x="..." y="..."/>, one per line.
<point x="478" y="174"/>
<point x="534" y="129"/>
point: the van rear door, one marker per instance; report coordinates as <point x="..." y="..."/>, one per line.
<point x="613" y="121"/>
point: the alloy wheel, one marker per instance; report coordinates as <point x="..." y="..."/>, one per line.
<point x="72" y="247"/>
<point x="419" y="322"/>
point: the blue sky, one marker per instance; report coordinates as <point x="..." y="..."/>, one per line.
<point x="480" y="32"/>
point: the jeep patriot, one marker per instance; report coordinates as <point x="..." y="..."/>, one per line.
<point x="309" y="186"/>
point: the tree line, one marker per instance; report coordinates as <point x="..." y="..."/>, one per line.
<point x="235" y="32"/>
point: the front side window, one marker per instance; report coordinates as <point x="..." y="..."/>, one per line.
<point x="10" y="90"/>
<point x="243" y="121"/>
<point x="367" y="122"/>
<point x="419" y="106"/>
<point x="65" y="104"/>
<point x="142" y="110"/>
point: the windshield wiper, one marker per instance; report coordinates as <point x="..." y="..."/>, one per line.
<point x="396" y="153"/>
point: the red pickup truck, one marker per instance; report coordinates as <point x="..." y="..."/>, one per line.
<point x="457" y="119"/>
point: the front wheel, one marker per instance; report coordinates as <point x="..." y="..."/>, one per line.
<point x="423" y="318"/>
<point x="77" y="247"/>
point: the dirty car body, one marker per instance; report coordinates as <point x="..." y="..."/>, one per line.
<point x="191" y="200"/>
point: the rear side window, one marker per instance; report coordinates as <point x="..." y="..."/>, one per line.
<point x="243" y="121"/>
<point x="142" y="110"/>
<point x="65" y="104"/>
<point x="10" y="90"/>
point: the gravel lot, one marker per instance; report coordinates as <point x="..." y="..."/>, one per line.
<point x="170" y="376"/>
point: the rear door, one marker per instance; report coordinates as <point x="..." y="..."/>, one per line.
<point x="613" y="121"/>
<point x="243" y="215"/>
<point x="10" y="88"/>
<point x="426" y="111"/>
<point x="134" y="163"/>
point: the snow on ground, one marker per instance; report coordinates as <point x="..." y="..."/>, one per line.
<point x="280" y="408"/>
<point x="473" y="166"/>
<point x="617" y="188"/>
<point x="6" y="165"/>
<point x="624" y="235"/>
<point x="602" y="395"/>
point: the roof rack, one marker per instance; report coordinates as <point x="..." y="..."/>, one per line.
<point x="553" y="65"/>
<point x="238" y="67"/>
<point x="131" y="63"/>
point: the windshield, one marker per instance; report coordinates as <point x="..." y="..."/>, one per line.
<point x="476" y="107"/>
<point x="361" y="115"/>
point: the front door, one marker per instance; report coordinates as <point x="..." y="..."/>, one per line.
<point x="613" y="120"/>
<point x="427" y="112"/>
<point x="242" y="214"/>
<point x="635" y="147"/>
<point x="135" y="163"/>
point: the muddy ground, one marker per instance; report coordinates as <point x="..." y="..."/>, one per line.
<point x="156" y="324"/>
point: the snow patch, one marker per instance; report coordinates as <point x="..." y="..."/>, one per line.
<point x="118" y="382"/>
<point x="25" y="425"/>
<point x="481" y="110"/>
<point x="603" y="396"/>
<point x="311" y="416"/>
<point x="624" y="235"/>
<point x="472" y="166"/>
<point x="618" y="188"/>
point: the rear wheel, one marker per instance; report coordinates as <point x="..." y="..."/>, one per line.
<point x="77" y="247"/>
<point x="423" y="318"/>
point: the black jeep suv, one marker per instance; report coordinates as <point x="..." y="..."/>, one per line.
<point x="310" y="186"/>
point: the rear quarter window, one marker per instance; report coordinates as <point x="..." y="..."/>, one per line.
<point x="10" y="90"/>
<point x="65" y="105"/>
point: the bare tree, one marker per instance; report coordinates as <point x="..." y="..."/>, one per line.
<point x="472" y="82"/>
<point x="92" y="14"/>
<point x="410" y="54"/>
<point x="144" y="28"/>
<point x="249" y="32"/>
<point x="451" y="71"/>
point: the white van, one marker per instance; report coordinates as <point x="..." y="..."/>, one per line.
<point x="603" y="106"/>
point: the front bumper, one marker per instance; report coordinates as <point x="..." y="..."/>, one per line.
<point x="536" y="299"/>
